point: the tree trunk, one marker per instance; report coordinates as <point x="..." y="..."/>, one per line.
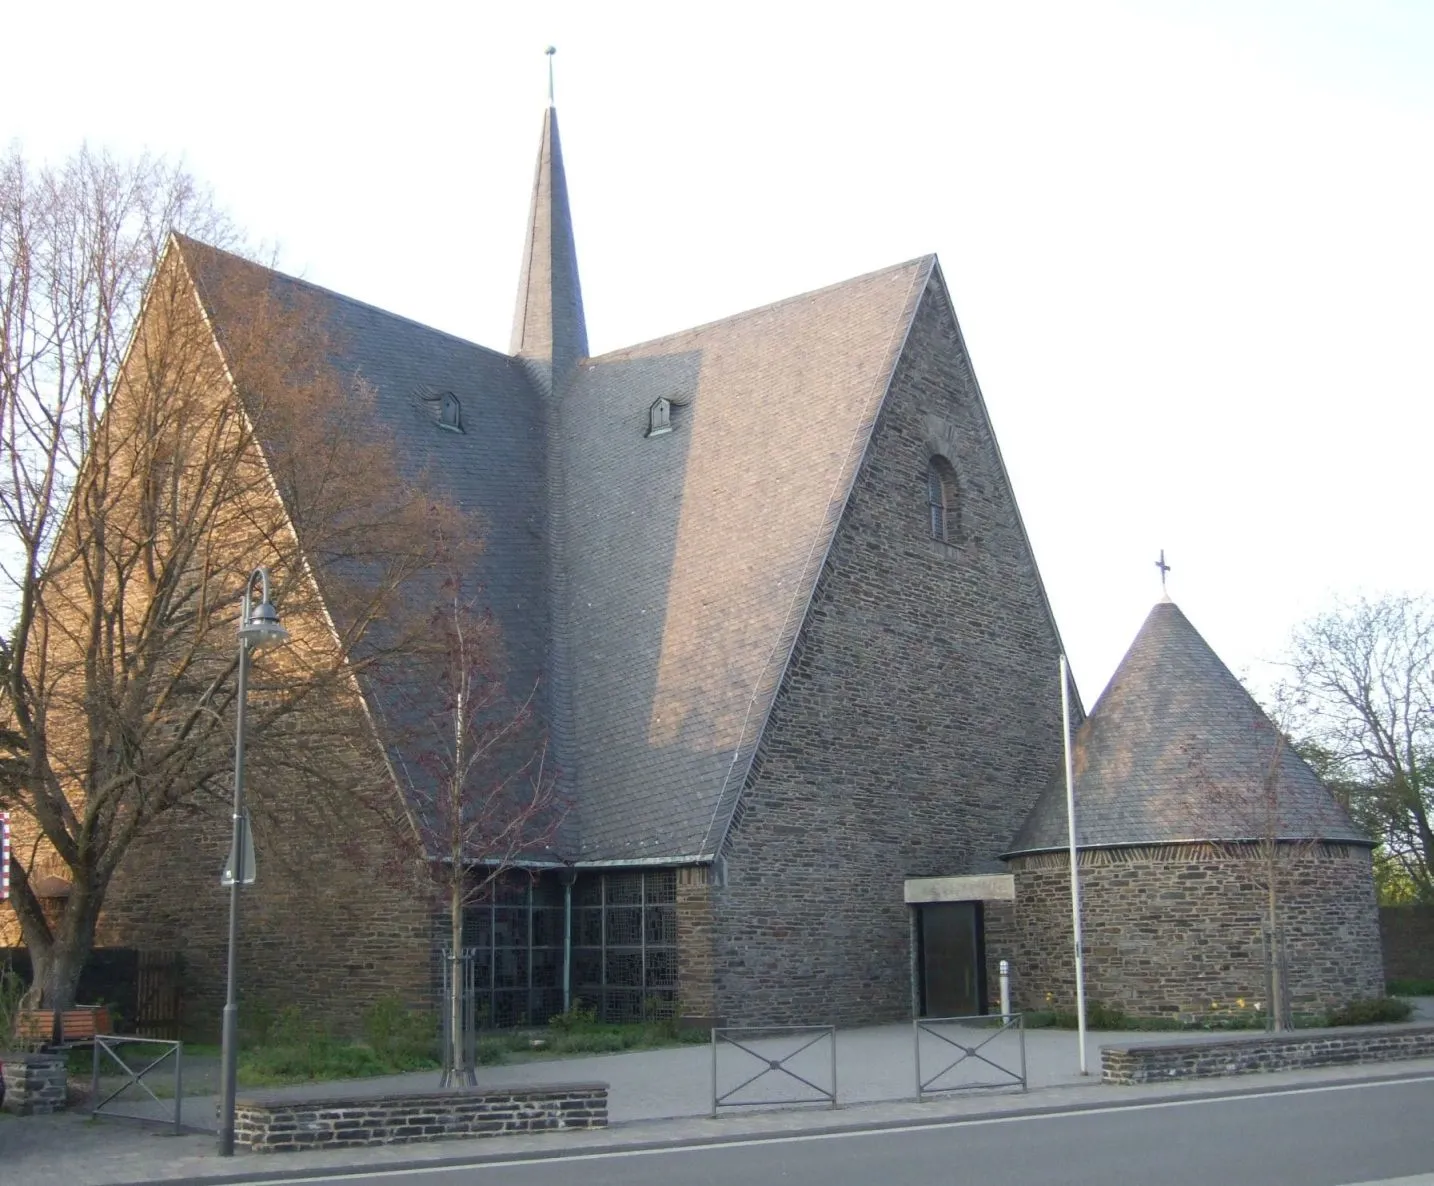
<point x="58" y="954"/>
<point x="1279" y="1020"/>
<point x="455" y="981"/>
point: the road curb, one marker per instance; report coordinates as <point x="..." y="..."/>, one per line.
<point x="752" y="1136"/>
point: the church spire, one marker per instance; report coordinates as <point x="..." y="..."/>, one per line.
<point x="548" y="323"/>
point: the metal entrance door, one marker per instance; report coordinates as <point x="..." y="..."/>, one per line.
<point x="952" y="959"/>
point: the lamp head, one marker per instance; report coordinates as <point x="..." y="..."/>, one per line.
<point x="263" y="628"/>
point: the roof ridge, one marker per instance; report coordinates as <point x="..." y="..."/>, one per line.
<point x="916" y="261"/>
<point x="784" y="645"/>
<point x="186" y="241"/>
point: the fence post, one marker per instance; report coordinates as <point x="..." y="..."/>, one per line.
<point x="178" y="1089"/>
<point x="916" y="1033"/>
<point x="1006" y="991"/>
<point x="714" y="1072"/>
<point x="95" y="1075"/>
<point x="834" y="1079"/>
<point x="1021" y="1025"/>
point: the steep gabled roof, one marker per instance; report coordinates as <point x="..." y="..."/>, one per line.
<point x="690" y="557"/>
<point x="1176" y="750"/>
<point x="493" y="466"/>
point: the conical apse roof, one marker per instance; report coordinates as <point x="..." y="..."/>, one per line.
<point x="1177" y="750"/>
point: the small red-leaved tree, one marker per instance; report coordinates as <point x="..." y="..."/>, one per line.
<point x="480" y="795"/>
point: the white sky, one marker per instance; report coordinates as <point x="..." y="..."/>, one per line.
<point x="1191" y="245"/>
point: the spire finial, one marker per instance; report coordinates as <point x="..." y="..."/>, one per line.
<point x="1164" y="568"/>
<point x="550" y="51"/>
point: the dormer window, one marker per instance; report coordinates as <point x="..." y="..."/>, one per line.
<point x="659" y="417"/>
<point x="450" y="411"/>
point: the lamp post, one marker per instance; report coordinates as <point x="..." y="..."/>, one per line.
<point x="258" y="628"/>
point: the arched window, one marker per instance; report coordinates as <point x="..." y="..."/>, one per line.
<point x="941" y="499"/>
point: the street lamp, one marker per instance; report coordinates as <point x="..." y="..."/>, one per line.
<point x="258" y="628"/>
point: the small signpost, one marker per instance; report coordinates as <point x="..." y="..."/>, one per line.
<point x="244" y="859"/>
<point x="4" y="855"/>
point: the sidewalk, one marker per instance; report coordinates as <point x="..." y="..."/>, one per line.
<point x="657" y="1097"/>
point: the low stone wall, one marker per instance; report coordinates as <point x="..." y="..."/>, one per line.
<point x="1160" y="1062"/>
<point x="34" y="1083"/>
<point x="279" y="1124"/>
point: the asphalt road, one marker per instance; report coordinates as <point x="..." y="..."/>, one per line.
<point x="1320" y="1136"/>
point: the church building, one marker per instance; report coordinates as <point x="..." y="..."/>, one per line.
<point x="798" y="669"/>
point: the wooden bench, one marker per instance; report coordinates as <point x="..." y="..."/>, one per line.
<point x="78" y="1026"/>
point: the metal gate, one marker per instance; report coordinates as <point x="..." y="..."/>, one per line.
<point x="798" y="1059"/>
<point x="110" y="1048"/>
<point x="972" y="1053"/>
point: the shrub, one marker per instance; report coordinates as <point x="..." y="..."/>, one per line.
<point x="394" y="1031"/>
<point x="1411" y="988"/>
<point x="256" y="1023"/>
<point x="1371" y="1012"/>
<point x="574" y="1020"/>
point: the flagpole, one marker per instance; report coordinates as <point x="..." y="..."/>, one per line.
<point x="1075" y="868"/>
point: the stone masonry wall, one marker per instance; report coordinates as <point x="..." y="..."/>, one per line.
<point x="324" y="927"/>
<point x="35" y="1084"/>
<point x="1176" y="929"/>
<point x="1160" y="1062"/>
<point x="695" y="1000"/>
<point x="320" y="929"/>
<point x="1000" y="921"/>
<point x="918" y="719"/>
<point x="1408" y="936"/>
<point x="283" y="1124"/>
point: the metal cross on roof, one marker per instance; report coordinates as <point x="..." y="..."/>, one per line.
<point x="1163" y="567"/>
<point x="550" y="51"/>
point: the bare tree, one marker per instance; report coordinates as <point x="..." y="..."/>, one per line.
<point x="1249" y="809"/>
<point x="1368" y="667"/>
<point x="482" y="797"/>
<point x="164" y="432"/>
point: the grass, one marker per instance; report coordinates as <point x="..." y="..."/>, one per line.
<point x="1229" y="1017"/>
<point x="584" y="1038"/>
<point x="271" y="1066"/>
<point x="286" y="1048"/>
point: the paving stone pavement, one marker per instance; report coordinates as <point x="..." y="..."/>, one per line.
<point x="656" y="1097"/>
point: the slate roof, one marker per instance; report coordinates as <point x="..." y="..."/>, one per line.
<point x="689" y="558"/>
<point x="1177" y="750"/>
<point x="548" y="321"/>
<point x="494" y="467"/>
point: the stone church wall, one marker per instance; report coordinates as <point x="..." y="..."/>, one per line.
<point x="1176" y="929"/>
<point x="323" y="927"/>
<point x="917" y="722"/>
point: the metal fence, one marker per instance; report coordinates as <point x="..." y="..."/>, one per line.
<point x="796" y="1057"/>
<point x="969" y="1052"/>
<point x="107" y="1049"/>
